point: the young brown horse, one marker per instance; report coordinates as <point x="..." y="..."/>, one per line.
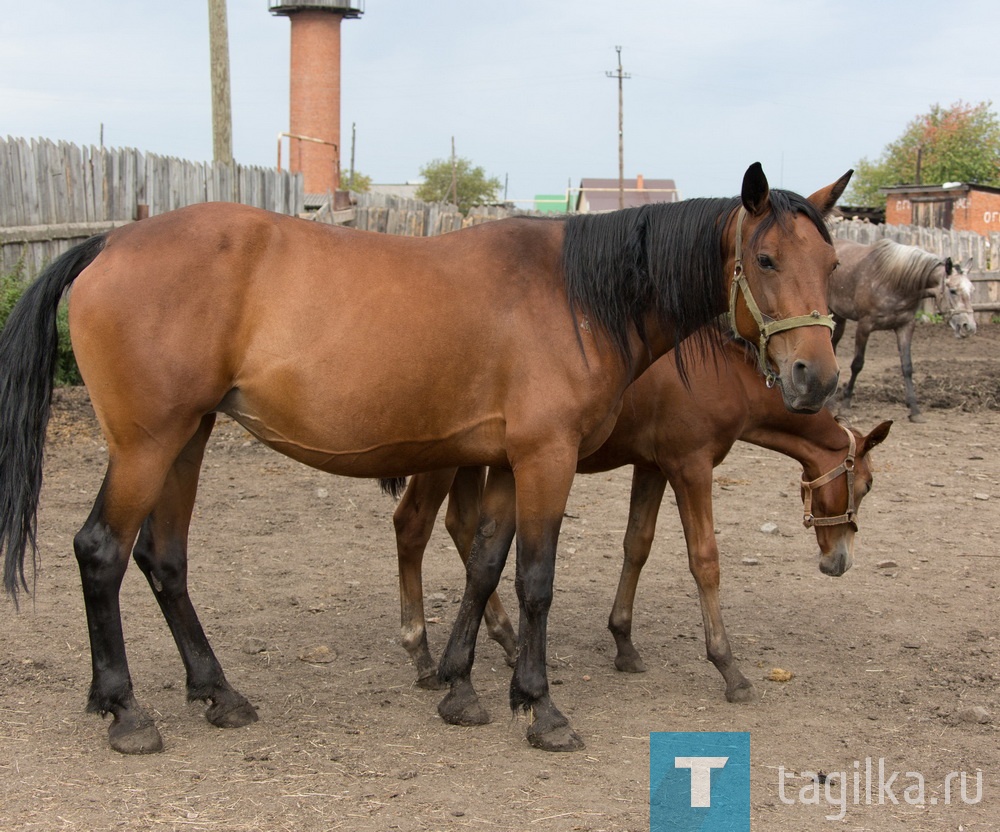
<point x="522" y="336"/>
<point x="672" y="432"/>
<point x="880" y="286"/>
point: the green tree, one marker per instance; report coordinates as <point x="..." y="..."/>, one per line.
<point x="960" y="143"/>
<point x="473" y="185"/>
<point x="359" y="183"/>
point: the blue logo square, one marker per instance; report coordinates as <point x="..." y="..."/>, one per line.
<point x="699" y="782"/>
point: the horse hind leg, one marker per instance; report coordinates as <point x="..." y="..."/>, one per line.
<point x="161" y="554"/>
<point x="131" y="488"/>
<point x="413" y="521"/>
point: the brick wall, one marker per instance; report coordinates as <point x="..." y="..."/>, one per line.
<point x="972" y="210"/>
<point x="983" y="213"/>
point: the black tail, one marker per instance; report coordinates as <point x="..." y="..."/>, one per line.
<point x="28" y="347"/>
<point x="393" y="487"/>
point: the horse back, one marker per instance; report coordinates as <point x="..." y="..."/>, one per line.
<point x="355" y="352"/>
<point x="859" y="290"/>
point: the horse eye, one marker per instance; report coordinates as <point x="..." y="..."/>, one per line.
<point x="765" y="262"/>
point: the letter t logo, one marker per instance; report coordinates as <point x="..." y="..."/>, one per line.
<point x="701" y="777"/>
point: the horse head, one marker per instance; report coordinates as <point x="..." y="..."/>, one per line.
<point x="955" y="299"/>
<point x="781" y="276"/>
<point x="831" y="501"/>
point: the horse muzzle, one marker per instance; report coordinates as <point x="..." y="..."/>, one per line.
<point x="837" y="561"/>
<point x="805" y="389"/>
<point x="963" y="325"/>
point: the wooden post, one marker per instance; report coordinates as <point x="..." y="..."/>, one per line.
<point x="222" y="113"/>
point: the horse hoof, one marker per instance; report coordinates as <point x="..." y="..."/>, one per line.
<point x="431" y="682"/>
<point x="919" y="418"/>
<point x="630" y="664"/>
<point x="231" y="714"/>
<point x="743" y="694"/>
<point x="138" y="736"/>
<point x="559" y="738"/>
<point x="461" y="706"/>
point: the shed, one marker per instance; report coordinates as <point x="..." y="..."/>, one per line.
<point x="956" y="206"/>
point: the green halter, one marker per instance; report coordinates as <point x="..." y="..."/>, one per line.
<point x="766" y="326"/>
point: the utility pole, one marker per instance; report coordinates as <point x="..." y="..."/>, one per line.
<point x="454" y="173"/>
<point x="621" y="76"/>
<point x="354" y="138"/>
<point x="222" y="111"/>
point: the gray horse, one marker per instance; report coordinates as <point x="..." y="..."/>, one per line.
<point x="880" y="286"/>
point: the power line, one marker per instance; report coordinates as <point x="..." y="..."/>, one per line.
<point x="621" y="76"/>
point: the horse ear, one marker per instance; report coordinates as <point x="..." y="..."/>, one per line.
<point x="755" y="190"/>
<point x="949" y="266"/>
<point x="966" y="266"/>
<point x="825" y="198"/>
<point x="876" y="437"/>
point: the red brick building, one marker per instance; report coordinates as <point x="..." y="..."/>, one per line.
<point x="955" y="205"/>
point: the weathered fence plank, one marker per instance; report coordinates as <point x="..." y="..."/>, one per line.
<point x="58" y="187"/>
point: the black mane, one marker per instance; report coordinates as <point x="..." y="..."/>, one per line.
<point x="665" y="259"/>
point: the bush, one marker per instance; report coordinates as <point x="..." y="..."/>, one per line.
<point x="12" y="286"/>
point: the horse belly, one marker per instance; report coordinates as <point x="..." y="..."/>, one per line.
<point x="362" y="435"/>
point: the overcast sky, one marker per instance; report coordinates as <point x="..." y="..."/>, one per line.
<point x="806" y="87"/>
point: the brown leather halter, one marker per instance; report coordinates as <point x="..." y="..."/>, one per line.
<point x="847" y="468"/>
<point x="766" y="326"/>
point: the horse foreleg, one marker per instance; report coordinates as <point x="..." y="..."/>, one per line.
<point x="414" y="521"/>
<point x="482" y="574"/>
<point x="647" y="494"/>
<point x="693" y="489"/>
<point x="861" y="335"/>
<point x="464" y="503"/>
<point x="542" y="491"/>
<point x="161" y="554"/>
<point x="838" y="330"/>
<point x="904" y="337"/>
<point x="102" y="547"/>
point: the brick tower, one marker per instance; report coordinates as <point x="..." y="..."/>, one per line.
<point x="314" y="119"/>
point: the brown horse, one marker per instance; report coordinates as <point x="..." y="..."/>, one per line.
<point x="880" y="286"/>
<point x="672" y="432"/>
<point x="522" y="335"/>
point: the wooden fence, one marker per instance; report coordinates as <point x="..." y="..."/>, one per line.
<point x="960" y="246"/>
<point x="410" y="217"/>
<point x="54" y="194"/>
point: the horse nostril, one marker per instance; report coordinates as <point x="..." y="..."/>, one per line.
<point x="800" y="375"/>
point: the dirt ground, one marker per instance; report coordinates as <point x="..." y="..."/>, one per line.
<point x="894" y="662"/>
